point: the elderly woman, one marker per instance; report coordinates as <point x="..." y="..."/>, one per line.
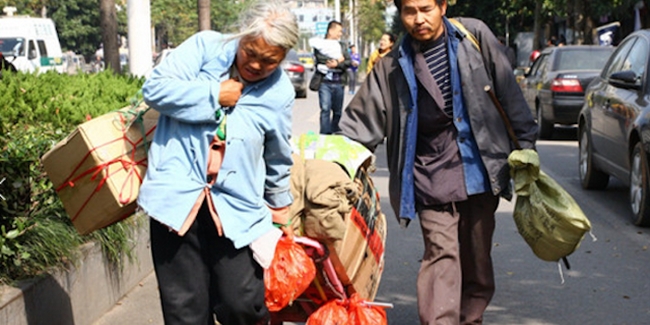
<point x="218" y="168"/>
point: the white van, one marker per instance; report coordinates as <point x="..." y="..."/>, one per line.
<point x="31" y="44"/>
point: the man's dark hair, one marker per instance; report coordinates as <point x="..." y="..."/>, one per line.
<point x="332" y="24"/>
<point x="398" y="4"/>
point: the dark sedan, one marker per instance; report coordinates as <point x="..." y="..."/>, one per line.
<point x="296" y="72"/>
<point x="554" y="85"/>
<point x="614" y="125"/>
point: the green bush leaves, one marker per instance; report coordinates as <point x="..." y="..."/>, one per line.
<point x="37" y="111"/>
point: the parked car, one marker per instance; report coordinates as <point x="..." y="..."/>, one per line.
<point x="520" y="73"/>
<point x="296" y="72"/>
<point x="307" y="60"/>
<point x="554" y="85"/>
<point x="614" y="125"/>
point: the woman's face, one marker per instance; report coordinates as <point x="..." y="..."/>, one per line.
<point x="385" y="43"/>
<point x="256" y="59"/>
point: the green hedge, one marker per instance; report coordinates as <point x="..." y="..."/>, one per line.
<point x="36" y="112"/>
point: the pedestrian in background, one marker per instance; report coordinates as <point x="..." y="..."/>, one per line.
<point x="447" y="149"/>
<point x="330" y="92"/>
<point x="212" y="215"/>
<point x="509" y="51"/>
<point x="386" y="43"/>
<point x="355" y="60"/>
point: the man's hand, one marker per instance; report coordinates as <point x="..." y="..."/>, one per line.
<point x="331" y="63"/>
<point x="231" y="90"/>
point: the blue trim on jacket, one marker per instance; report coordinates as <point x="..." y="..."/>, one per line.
<point x="475" y="172"/>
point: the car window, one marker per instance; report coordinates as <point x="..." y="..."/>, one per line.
<point x="538" y="65"/>
<point x="618" y="58"/>
<point x="42" y="50"/>
<point x="582" y="59"/>
<point x="637" y="58"/>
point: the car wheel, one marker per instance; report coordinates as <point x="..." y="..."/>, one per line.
<point x="590" y="177"/>
<point x="639" y="199"/>
<point x="544" y="127"/>
<point x="301" y="94"/>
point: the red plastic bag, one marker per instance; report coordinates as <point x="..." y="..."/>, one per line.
<point x="334" y="312"/>
<point x="353" y="311"/>
<point x="289" y="275"/>
<point x="361" y="314"/>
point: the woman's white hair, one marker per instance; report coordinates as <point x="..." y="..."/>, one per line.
<point x="271" y="20"/>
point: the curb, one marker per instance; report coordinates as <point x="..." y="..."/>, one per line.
<point x="79" y="295"/>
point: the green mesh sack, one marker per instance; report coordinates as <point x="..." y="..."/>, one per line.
<point x="547" y="217"/>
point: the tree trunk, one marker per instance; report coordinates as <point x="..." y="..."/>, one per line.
<point x="580" y="23"/>
<point x="204" y="14"/>
<point x="538" y="24"/>
<point x="108" y="24"/>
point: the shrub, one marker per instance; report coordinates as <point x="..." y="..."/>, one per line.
<point x="37" y="112"/>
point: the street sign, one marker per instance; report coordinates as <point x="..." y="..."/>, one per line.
<point x="321" y="28"/>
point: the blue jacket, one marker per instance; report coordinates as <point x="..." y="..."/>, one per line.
<point x="185" y="88"/>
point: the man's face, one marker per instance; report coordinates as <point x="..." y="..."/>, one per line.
<point x="423" y="18"/>
<point x="335" y="32"/>
<point x="256" y="59"/>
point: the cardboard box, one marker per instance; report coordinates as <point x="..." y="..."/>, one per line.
<point x="366" y="279"/>
<point x="97" y="170"/>
<point x="359" y="257"/>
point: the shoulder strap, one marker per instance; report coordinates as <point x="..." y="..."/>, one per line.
<point x="465" y="32"/>
<point x="488" y="89"/>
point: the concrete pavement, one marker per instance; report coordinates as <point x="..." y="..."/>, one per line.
<point x="140" y="306"/>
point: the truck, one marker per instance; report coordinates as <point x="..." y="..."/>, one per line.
<point x="31" y="44"/>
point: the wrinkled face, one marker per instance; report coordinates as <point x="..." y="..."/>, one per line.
<point x="256" y="59"/>
<point x="385" y="43"/>
<point x="423" y="18"/>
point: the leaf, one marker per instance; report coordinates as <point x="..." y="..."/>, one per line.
<point x="12" y="234"/>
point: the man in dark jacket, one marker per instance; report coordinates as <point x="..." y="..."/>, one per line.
<point x="447" y="149"/>
<point x="330" y="92"/>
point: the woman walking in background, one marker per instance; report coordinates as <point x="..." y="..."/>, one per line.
<point x="385" y="45"/>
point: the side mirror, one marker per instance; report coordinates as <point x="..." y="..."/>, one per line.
<point x="625" y="79"/>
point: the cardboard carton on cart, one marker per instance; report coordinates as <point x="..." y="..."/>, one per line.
<point x="357" y="260"/>
<point x="97" y="170"/>
<point x="359" y="257"/>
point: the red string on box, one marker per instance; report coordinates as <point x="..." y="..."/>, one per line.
<point x="95" y="171"/>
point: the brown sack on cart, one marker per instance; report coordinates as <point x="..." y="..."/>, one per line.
<point x="547" y="217"/>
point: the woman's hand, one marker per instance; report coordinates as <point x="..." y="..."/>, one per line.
<point x="287" y="230"/>
<point x="230" y="92"/>
<point x="282" y="218"/>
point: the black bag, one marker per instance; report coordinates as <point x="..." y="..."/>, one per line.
<point x="316" y="79"/>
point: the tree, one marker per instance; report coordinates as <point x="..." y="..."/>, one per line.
<point x="204" y="14"/>
<point x="77" y="22"/>
<point x="108" y="25"/>
<point x="225" y="15"/>
<point x="372" y="23"/>
<point x="174" y="21"/>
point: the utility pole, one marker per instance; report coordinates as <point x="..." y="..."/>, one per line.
<point x="139" y="32"/>
<point x="337" y="10"/>
<point x="353" y="35"/>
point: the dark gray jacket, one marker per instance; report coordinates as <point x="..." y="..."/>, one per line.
<point x="385" y="104"/>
